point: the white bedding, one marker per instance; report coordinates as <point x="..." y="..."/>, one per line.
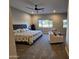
<point x="27" y="36"/>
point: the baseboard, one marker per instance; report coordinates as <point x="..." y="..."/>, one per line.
<point x="67" y="51"/>
<point x="13" y="57"/>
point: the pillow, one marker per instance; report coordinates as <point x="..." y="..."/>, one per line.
<point x="18" y="30"/>
<point x="24" y="30"/>
<point x="27" y="29"/>
<point x="55" y="33"/>
<point x="14" y="31"/>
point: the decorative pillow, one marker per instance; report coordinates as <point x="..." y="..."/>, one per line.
<point x="27" y="29"/>
<point x="55" y="33"/>
<point x="21" y="30"/>
<point x="18" y="30"/>
<point x="15" y="31"/>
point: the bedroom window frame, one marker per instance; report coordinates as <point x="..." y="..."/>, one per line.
<point x="65" y="23"/>
<point x="45" y="23"/>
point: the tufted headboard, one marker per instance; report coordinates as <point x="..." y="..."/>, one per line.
<point x="19" y="26"/>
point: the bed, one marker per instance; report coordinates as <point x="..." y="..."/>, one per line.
<point x="22" y="34"/>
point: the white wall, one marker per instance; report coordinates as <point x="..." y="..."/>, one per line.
<point x="12" y="47"/>
<point x="67" y="41"/>
<point x="56" y="18"/>
<point x="67" y="36"/>
<point x="20" y="17"/>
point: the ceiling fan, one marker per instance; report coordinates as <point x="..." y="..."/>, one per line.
<point x="35" y="8"/>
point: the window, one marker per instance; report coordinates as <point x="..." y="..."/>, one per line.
<point x="65" y="23"/>
<point x="45" y="23"/>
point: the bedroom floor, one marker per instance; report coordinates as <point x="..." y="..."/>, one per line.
<point x="41" y="49"/>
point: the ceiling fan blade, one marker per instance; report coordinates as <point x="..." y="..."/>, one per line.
<point x="30" y="8"/>
<point x="40" y="8"/>
<point x="36" y="8"/>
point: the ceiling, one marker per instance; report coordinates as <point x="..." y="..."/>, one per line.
<point x="60" y="6"/>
